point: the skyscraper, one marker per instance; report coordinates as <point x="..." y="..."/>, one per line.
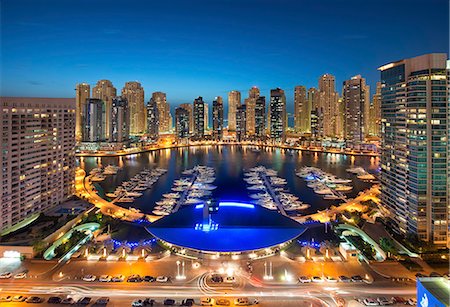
<point x="340" y="118"/>
<point x="152" y="120"/>
<point x="94" y="121"/>
<point x="120" y="120"/>
<point x="415" y="146"/>
<point x="37" y="157"/>
<point x="316" y="113"/>
<point x="375" y="112"/>
<point x="188" y="107"/>
<point x="241" y="123"/>
<point x="181" y="123"/>
<point x="260" y="117"/>
<point x="234" y="100"/>
<point x="164" y="111"/>
<point x="328" y="98"/>
<point x="217" y="118"/>
<point x="199" y="118"/>
<point x="356" y="96"/>
<point x="250" y="105"/>
<point x="83" y="92"/>
<point x="277" y="109"/>
<point x="134" y="94"/>
<point x="206" y="116"/>
<point x="302" y="110"/>
<point x="105" y="91"/>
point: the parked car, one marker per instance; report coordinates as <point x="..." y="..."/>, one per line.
<point x="383" y="301"/>
<point x="149" y="278"/>
<point x="357" y="278"/>
<point x="7" y="298"/>
<point x="20" y="275"/>
<point x="435" y="274"/>
<point x="5" y="275"/>
<point x="370" y="302"/>
<point x="118" y="278"/>
<point x="84" y="301"/>
<point x="89" y="277"/>
<point x="344" y="278"/>
<point x="317" y="279"/>
<point x="34" y="300"/>
<point x="230" y="279"/>
<point x="242" y="301"/>
<point x="68" y="301"/>
<point x="207" y="301"/>
<point x="134" y="278"/>
<point x="331" y="279"/>
<point x="105" y="278"/>
<point x="137" y="303"/>
<point x="162" y="279"/>
<point x="398" y="300"/>
<point x="18" y="298"/>
<point x="216" y="278"/>
<point x="223" y="302"/>
<point x="54" y="300"/>
<point x="412" y="302"/>
<point x="102" y="301"/>
<point x="149" y="302"/>
<point x="169" y="302"/>
<point x="188" y="302"/>
<point x="304" y="279"/>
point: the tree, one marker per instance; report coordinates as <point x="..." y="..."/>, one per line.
<point x="387" y="244"/>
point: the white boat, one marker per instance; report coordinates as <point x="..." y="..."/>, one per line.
<point x="133" y="194"/>
<point x="125" y="200"/>
<point x="356" y="170"/>
<point x="111" y="195"/>
<point x="191" y="201"/>
<point x="171" y="195"/>
<point x="322" y="191"/>
<point x="366" y="176"/>
<point x="98" y="178"/>
<point x="203" y="186"/>
<point x="330" y="197"/>
<point x="160" y="212"/>
<point x="343" y="188"/>
<point x="256" y="187"/>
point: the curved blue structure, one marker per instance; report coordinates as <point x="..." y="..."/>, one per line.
<point x="231" y="227"/>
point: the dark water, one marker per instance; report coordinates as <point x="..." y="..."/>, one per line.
<point x="230" y="162"/>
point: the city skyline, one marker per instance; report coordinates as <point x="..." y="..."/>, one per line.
<point x="199" y="61"/>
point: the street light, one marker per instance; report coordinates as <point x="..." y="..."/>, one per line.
<point x="182" y="275"/>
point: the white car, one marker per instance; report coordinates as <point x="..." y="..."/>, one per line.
<point x="162" y="279"/>
<point x="104" y="278"/>
<point x="230" y="279"/>
<point x="20" y="275"/>
<point x="5" y="275"/>
<point x="137" y="303"/>
<point x="89" y="278"/>
<point x="370" y="302"/>
<point x="304" y="279"/>
<point x="118" y="278"/>
<point x="317" y="279"/>
<point x="331" y="279"/>
<point x="207" y="301"/>
<point x="242" y="301"/>
<point x="19" y="298"/>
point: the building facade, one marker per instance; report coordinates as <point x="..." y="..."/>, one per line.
<point x="94" y="121"/>
<point x="260" y="117"/>
<point x="181" y="123"/>
<point x="105" y="91"/>
<point x="188" y="107"/>
<point x="356" y="98"/>
<point x="82" y="92"/>
<point x="134" y="94"/>
<point x="241" y="123"/>
<point x="234" y="101"/>
<point x="37" y="156"/>
<point x="217" y="119"/>
<point x="375" y="112"/>
<point x="302" y="110"/>
<point x="152" y="120"/>
<point x="414" y="156"/>
<point x="199" y="118"/>
<point x="277" y="113"/>
<point x="163" y="110"/>
<point x="120" y="120"/>
<point x="328" y="99"/>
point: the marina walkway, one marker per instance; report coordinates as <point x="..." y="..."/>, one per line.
<point x="272" y="193"/>
<point x="183" y="197"/>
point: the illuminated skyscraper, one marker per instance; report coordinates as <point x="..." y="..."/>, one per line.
<point x="241" y="123"/>
<point x="260" y="117"/>
<point x="328" y="99"/>
<point x="120" y="120"/>
<point x="375" y="112"/>
<point x="134" y="94"/>
<point x="302" y="110"/>
<point x="356" y="97"/>
<point x="250" y="105"/>
<point x="234" y="100"/>
<point x="152" y="120"/>
<point x="415" y="146"/>
<point x="340" y="118"/>
<point x="164" y="111"/>
<point x="188" y="107"/>
<point x="37" y="157"/>
<point x="83" y="92"/>
<point x="316" y="113"/>
<point x="199" y="118"/>
<point x="217" y="118"/>
<point x="181" y="123"/>
<point x="277" y="108"/>
<point x="94" y="121"/>
<point x="105" y="91"/>
<point x="206" y="116"/>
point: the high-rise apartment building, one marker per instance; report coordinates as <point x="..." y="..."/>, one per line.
<point x="241" y="123"/>
<point x="260" y="117"/>
<point x="83" y="92"/>
<point x="199" y="118"/>
<point x="356" y="98"/>
<point x="94" y="121"/>
<point x="188" y="107"/>
<point x="133" y="92"/>
<point x="340" y="118"/>
<point x="206" y="121"/>
<point x="375" y="112"/>
<point x="234" y="100"/>
<point x="415" y="146"/>
<point x="217" y="118"/>
<point x="164" y="111"/>
<point x="105" y="91"/>
<point x="181" y="123"/>
<point x="152" y="120"/>
<point x="328" y="99"/>
<point x="120" y="120"/>
<point x="277" y="113"/>
<point x="250" y="105"/>
<point x="302" y="110"/>
<point x="37" y="157"/>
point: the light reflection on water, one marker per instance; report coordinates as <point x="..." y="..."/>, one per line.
<point x="230" y="161"/>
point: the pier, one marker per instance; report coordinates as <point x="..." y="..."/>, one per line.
<point x="183" y="197"/>
<point x="272" y="193"/>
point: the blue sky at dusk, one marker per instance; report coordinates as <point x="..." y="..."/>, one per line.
<point x="207" y="48"/>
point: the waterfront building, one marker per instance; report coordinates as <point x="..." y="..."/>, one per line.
<point x="134" y="94"/>
<point x="241" y="123"/>
<point x="199" y="118"/>
<point x="94" y="121"/>
<point x="37" y="156"/>
<point x="375" y="112"/>
<point x="356" y="97"/>
<point x="82" y="92"/>
<point x="340" y="118"/>
<point x="163" y="110"/>
<point x="206" y="121"/>
<point x="188" y="107"/>
<point x="217" y="118"/>
<point x="328" y="99"/>
<point x="277" y="113"/>
<point x="105" y="91"/>
<point x="120" y="120"/>
<point x="234" y="100"/>
<point x="260" y="117"/>
<point x="302" y="110"/>
<point x="250" y="104"/>
<point x="415" y="146"/>
<point x="181" y="123"/>
<point x="152" y="120"/>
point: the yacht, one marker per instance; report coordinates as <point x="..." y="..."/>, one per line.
<point x="356" y="170"/>
<point x="366" y="176"/>
<point x="125" y="200"/>
<point x="171" y="195"/>
<point x="133" y="194"/>
<point x="343" y="188"/>
<point x="323" y="190"/>
<point x="191" y="201"/>
<point x="256" y="187"/>
<point x="98" y="177"/>
<point x="111" y="170"/>
<point x="330" y="197"/>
